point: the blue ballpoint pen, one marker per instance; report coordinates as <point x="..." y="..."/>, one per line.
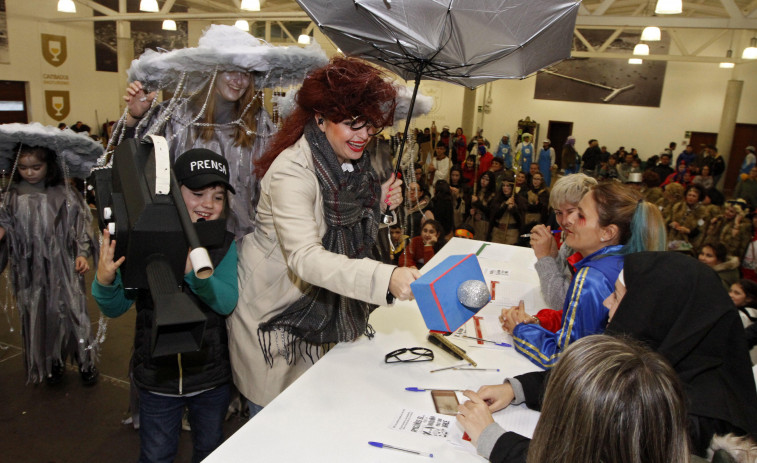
<point x="387" y="446"/>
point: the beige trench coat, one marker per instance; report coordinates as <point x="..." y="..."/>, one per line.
<point x="278" y="261"/>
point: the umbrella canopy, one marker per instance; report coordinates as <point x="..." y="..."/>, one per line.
<point x="459" y="41"/>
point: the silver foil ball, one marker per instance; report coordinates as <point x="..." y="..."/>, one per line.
<point x="473" y="294"/>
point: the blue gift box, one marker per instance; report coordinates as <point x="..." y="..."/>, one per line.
<point x="436" y="292"/>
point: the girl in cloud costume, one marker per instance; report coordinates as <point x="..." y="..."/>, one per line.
<point x="46" y="232"/>
<point x="217" y="103"/>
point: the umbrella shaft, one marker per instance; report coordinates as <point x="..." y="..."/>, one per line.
<point x="407" y="121"/>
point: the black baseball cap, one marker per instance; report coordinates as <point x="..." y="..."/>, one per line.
<point x="200" y="167"/>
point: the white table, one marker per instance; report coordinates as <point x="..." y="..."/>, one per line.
<point x="351" y="396"/>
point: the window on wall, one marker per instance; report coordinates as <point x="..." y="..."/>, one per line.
<point x="13" y="107"/>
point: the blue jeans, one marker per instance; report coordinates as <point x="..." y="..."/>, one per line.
<point x="160" y="423"/>
<point x="253" y="408"/>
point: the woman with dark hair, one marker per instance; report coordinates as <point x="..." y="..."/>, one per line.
<point x="461" y="195"/>
<point x="744" y="296"/>
<point x="537" y="197"/>
<point x="459" y="143"/>
<point x="442" y="206"/>
<point x="692" y="324"/>
<point x="612" y="221"/>
<point x="608" y="400"/>
<point x="508" y="211"/>
<point x="715" y="255"/>
<point x="306" y="275"/>
<point x="480" y="208"/>
<point x="686" y="221"/>
<point x="469" y="170"/>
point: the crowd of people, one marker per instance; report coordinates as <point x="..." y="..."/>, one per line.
<point x="296" y="270"/>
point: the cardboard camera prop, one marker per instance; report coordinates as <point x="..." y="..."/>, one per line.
<point x="139" y="201"/>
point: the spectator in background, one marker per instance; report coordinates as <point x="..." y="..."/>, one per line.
<point x="591" y="158"/>
<point x="497" y="168"/>
<point x="704" y="179"/>
<point x="624" y="168"/>
<point x="504" y="151"/>
<point x="484" y="160"/>
<point x="747" y="189"/>
<point x="570" y="161"/>
<point x="458" y="152"/>
<point x="716" y="257"/>
<point x="687" y="155"/>
<point x="652" y="163"/>
<point x="663" y="168"/>
<point x="469" y="170"/>
<point x="605" y="153"/>
<point x="439" y="165"/>
<point x="686" y="222"/>
<point x="716" y="163"/>
<point x="545" y="160"/>
<point x="80" y="127"/>
<point x="749" y="161"/>
<point x="609" y="171"/>
<point x="524" y="152"/>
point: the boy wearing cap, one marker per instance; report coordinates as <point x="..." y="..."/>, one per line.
<point x="198" y="380"/>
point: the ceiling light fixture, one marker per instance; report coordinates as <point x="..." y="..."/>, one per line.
<point x="651" y="34"/>
<point x="242" y="24"/>
<point x="669" y="7"/>
<point x="150" y="6"/>
<point x="66" y="6"/>
<point x="169" y="25"/>
<point x="250" y="5"/>
<point x="750" y="52"/>
<point x="635" y="61"/>
<point x="641" y="49"/>
<point x="303" y="39"/>
<point x="728" y="64"/>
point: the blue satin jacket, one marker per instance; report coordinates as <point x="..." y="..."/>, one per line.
<point x="583" y="312"/>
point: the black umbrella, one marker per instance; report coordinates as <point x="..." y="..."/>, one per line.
<point x="465" y="42"/>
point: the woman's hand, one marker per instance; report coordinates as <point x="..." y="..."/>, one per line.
<point x="497" y="396"/>
<point x="106" y="268"/>
<point x="137" y="101"/>
<point x="81" y="265"/>
<point x="391" y="193"/>
<point x="542" y="242"/>
<point x="399" y="283"/>
<point x="512" y="317"/>
<point x="474" y="415"/>
<point x="431" y="241"/>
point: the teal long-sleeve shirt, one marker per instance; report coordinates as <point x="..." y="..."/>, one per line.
<point x="219" y="292"/>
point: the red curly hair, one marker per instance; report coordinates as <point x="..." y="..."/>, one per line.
<point x="344" y="88"/>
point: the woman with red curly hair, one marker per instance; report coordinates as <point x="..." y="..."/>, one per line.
<point x="307" y="277"/>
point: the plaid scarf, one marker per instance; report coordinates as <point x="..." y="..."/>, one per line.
<point x="351" y="209"/>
